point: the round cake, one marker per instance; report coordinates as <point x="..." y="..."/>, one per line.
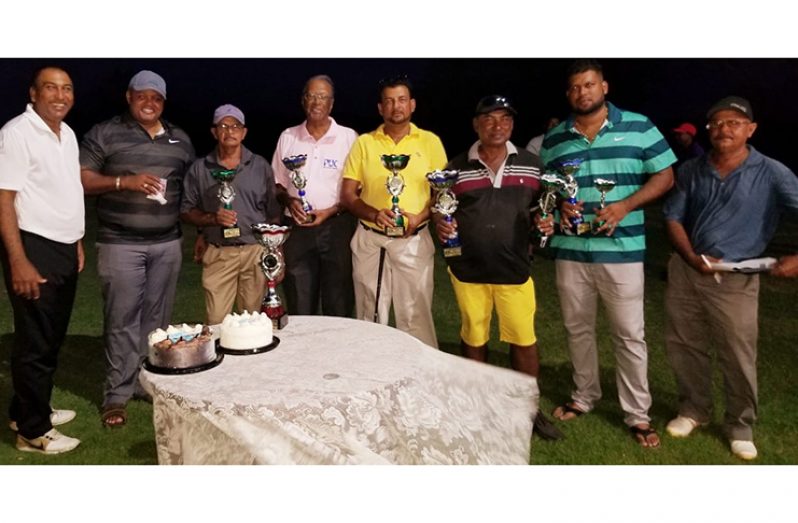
<point x="246" y="331"/>
<point x="181" y="346"/>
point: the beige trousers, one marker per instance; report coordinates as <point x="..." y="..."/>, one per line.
<point x="621" y="288"/>
<point x="407" y="281"/>
<point x="232" y="275"/>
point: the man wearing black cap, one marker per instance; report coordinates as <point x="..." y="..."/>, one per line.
<point x="726" y="206"/>
<point x="497" y="186"/>
<point x="231" y="270"/>
<point x="134" y="163"/>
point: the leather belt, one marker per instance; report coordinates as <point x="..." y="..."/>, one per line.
<point x="380" y="231"/>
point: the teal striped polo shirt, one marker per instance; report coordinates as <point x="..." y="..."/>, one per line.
<point x="627" y="149"/>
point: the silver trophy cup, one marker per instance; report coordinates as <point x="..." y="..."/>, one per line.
<point x="395" y="185"/>
<point x="551" y="184"/>
<point x="446" y="204"/>
<point x="299" y="181"/>
<point x="272" y="263"/>
<point x="603" y="186"/>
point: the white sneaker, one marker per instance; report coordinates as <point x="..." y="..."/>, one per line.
<point x="53" y="442"/>
<point x="681" y="426"/>
<point x="57" y="417"/>
<point x="743" y="449"/>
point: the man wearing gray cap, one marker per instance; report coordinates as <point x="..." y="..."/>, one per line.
<point x="498" y="185"/>
<point x="230" y="266"/>
<point x="725" y="207"/>
<point x="134" y="163"/>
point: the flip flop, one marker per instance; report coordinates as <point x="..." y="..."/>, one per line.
<point x="641" y="436"/>
<point x="567" y="408"/>
<point x="112" y="414"/>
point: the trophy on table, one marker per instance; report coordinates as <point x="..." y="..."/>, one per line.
<point x="272" y="263"/>
<point x="552" y="184"/>
<point x="226" y="195"/>
<point x="570" y="188"/>
<point x="395" y="185"/>
<point x="445" y="204"/>
<point x="603" y="186"/>
<point x="299" y="181"/>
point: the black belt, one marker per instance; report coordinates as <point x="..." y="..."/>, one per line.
<point x="380" y="231"/>
<point x="220" y="245"/>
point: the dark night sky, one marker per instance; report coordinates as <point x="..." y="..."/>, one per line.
<point x="666" y="90"/>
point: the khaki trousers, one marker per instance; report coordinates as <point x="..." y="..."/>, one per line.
<point x="701" y="311"/>
<point x="232" y="275"/>
<point x="621" y="288"/>
<point x="407" y="281"/>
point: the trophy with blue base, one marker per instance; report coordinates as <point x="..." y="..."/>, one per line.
<point x="395" y="185"/>
<point x="299" y="181"/>
<point x="568" y="169"/>
<point x="445" y="204"/>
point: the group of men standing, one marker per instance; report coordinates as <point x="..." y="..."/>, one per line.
<point x="341" y="255"/>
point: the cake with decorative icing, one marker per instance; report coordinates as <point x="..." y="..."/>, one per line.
<point x="246" y="331"/>
<point x="181" y="346"/>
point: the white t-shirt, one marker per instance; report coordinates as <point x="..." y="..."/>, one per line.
<point x="45" y="173"/>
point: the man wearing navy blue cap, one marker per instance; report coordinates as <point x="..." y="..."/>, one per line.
<point x="134" y="163"/>
<point x="725" y="206"/>
<point x="497" y="186"/>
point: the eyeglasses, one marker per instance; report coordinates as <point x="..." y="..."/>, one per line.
<point x="232" y="128"/>
<point x="731" y="124"/>
<point x="309" y="97"/>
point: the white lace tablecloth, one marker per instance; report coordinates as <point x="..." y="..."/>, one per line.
<point x="342" y="391"/>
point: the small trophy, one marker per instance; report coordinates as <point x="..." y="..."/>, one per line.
<point x="395" y="185"/>
<point x="446" y="204"/>
<point x="552" y="184"/>
<point x="272" y="263"/>
<point x="603" y="186"/>
<point x="226" y="195"/>
<point x="294" y="164"/>
<point x="570" y="187"/>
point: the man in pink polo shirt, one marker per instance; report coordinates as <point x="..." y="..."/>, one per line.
<point x="317" y="254"/>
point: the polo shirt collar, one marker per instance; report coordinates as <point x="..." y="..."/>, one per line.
<point x="213" y="158"/>
<point x="614" y="116"/>
<point x="37" y="120"/>
<point x="473" y="152"/>
<point x="305" y="135"/>
<point x="413" y="130"/>
<point x="128" y="119"/>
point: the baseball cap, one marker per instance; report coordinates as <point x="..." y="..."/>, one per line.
<point x="144" y="80"/>
<point x="228" y="110"/>
<point x="494" y="102"/>
<point x="686" y="127"/>
<point x="735" y="103"/>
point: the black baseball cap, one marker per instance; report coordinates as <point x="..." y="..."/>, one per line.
<point x="493" y="102"/>
<point x="734" y="103"/>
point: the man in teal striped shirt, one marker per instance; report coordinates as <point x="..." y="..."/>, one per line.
<point x="626" y="148"/>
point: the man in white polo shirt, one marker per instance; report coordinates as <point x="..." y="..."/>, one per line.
<point x="41" y="226"/>
<point x="318" y="259"/>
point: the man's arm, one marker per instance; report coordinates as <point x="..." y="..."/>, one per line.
<point x="25" y="279"/>
<point x="96" y="183"/>
<point x="681" y="242"/>
<point x="656" y="186"/>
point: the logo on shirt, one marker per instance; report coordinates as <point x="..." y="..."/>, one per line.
<point x="618" y="138"/>
<point x="330" y="163"/>
<point x="173" y="141"/>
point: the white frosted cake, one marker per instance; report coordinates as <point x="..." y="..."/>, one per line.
<point x="181" y="346"/>
<point x="246" y="331"/>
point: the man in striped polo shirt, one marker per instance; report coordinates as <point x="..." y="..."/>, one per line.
<point x="497" y="186"/>
<point x="626" y="148"/>
<point x="135" y="163"/>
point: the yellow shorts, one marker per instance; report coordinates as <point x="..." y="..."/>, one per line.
<point x="515" y="308"/>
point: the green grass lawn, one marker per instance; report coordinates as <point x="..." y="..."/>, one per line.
<point x="597" y="438"/>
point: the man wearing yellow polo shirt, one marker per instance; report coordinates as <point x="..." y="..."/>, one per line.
<point x="386" y="269"/>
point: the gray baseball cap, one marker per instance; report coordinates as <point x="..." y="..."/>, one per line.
<point x="228" y="110"/>
<point x="144" y="80"/>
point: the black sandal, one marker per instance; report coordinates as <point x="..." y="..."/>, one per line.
<point x="638" y="432"/>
